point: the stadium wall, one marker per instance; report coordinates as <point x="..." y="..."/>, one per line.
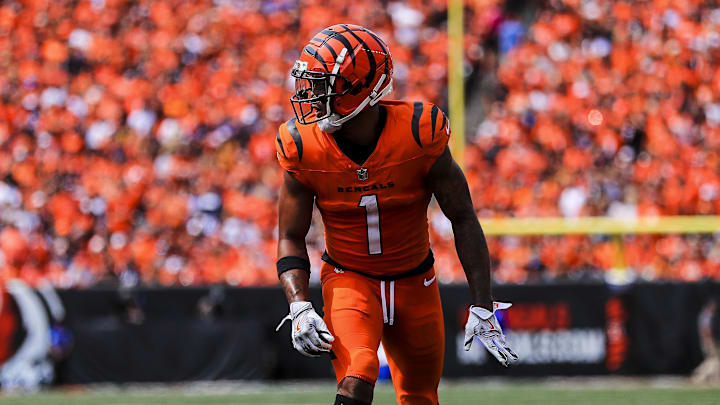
<point x="227" y="333"/>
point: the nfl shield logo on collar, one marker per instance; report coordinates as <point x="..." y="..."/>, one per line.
<point x="362" y="174"/>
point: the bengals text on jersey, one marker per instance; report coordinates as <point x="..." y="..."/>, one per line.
<point x="375" y="213"/>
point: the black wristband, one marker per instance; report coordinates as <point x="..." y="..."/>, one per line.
<point x="292" y="262"/>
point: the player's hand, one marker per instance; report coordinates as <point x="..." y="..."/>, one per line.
<point x="483" y="324"/>
<point x="310" y="335"/>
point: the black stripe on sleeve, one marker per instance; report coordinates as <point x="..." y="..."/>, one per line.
<point x="279" y="141"/>
<point x="433" y="115"/>
<point x="347" y="45"/>
<point x="444" y="122"/>
<point x="417" y="112"/>
<point x="292" y="128"/>
<point x="312" y="52"/>
<point x="369" y="53"/>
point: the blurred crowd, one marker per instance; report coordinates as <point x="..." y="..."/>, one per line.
<point x="136" y="137"/>
<point x="608" y="108"/>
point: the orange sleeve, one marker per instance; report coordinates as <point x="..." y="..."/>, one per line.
<point x="286" y="150"/>
<point x="435" y="132"/>
<point x="288" y="145"/>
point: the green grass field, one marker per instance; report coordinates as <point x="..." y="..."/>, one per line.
<point x="504" y="392"/>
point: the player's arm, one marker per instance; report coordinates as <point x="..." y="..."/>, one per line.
<point x="448" y="183"/>
<point x="295" y="215"/>
<point x="451" y="191"/>
<point x="310" y="335"/>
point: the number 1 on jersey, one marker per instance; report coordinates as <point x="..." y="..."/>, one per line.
<point x="373" y="223"/>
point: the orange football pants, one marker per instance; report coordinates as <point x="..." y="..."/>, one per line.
<point x="406" y="315"/>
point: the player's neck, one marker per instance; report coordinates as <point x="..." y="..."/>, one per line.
<point x="363" y="128"/>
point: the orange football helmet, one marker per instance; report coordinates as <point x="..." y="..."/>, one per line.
<point x="342" y="70"/>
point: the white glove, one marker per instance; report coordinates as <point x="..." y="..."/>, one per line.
<point x="483" y="324"/>
<point x="310" y="335"/>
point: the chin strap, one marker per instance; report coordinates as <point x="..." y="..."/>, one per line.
<point x="328" y="124"/>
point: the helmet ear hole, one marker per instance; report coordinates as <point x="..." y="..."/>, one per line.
<point x="356" y="90"/>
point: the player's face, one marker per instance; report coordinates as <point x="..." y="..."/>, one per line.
<point x="314" y="90"/>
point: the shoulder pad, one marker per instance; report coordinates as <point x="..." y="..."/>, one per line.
<point x="289" y="144"/>
<point x="430" y="127"/>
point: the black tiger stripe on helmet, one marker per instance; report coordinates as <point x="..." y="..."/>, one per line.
<point x="369" y="53"/>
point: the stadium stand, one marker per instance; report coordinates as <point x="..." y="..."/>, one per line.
<point x="136" y="138"/>
<point x="609" y="109"/>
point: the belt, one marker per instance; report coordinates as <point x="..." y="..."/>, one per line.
<point x="421" y="268"/>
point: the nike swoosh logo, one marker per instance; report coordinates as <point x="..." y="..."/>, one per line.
<point x="428" y="282"/>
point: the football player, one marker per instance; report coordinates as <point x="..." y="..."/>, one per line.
<point x="371" y="167"/>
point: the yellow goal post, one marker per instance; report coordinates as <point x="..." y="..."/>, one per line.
<point x="601" y="225"/>
<point x="456" y="79"/>
<point x="615" y="227"/>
